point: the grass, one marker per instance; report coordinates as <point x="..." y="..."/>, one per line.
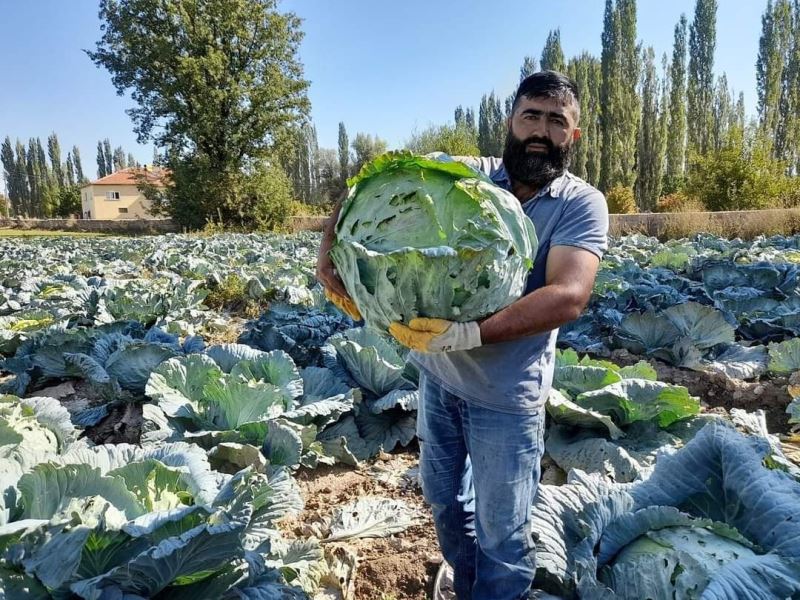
<point x="746" y="225"/>
<point x="49" y="233"/>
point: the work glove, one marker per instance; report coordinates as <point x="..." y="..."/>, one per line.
<point x="344" y="304"/>
<point x="437" y="335"/>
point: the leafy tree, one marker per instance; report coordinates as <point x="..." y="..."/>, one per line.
<point x="491" y="126"/>
<point x="118" y="158"/>
<point x="108" y="156"/>
<point x="54" y="151"/>
<point x="651" y="139"/>
<point x="787" y="143"/>
<point x="676" y="133"/>
<point x="76" y="160"/>
<point x="585" y="71"/>
<point x="101" y="161"/>
<point x="700" y="91"/>
<point x="552" y="54"/>
<point x="131" y="161"/>
<point x="70" y="170"/>
<point x="528" y="67"/>
<point x="365" y="148"/>
<point x="773" y="52"/>
<point x="216" y="84"/>
<point x="344" y="153"/>
<point x="620" y="102"/>
<point x="69" y="201"/>
<point x="455" y="140"/>
<point x="741" y="176"/>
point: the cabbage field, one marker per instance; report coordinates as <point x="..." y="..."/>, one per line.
<point x="188" y="417"/>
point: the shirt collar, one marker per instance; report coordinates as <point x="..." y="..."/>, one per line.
<point x="554" y="188"/>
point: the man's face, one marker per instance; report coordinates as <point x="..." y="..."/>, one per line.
<point x="540" y="136"/>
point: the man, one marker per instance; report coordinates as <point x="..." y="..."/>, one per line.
<point x="483" y="384"/>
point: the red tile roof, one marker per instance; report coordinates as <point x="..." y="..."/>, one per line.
<point x="154" y="175"/>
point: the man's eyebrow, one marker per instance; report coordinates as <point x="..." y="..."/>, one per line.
<point x="536" y="113"/>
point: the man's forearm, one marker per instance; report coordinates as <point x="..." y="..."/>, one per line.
<point x="542" y="310"/>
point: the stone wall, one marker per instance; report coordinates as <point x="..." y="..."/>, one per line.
<point x="124" y="226"/>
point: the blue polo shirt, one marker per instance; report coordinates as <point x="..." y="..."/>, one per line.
<point x="515" y="376"/>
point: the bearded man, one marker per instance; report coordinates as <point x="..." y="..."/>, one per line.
<point x="483" y="384"/>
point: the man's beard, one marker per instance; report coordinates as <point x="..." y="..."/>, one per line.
<point x="535" y="169"/>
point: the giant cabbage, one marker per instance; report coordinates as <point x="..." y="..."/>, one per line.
<point x="420" y="236"/>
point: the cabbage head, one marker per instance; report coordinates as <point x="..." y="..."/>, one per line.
<point x="429" y="236"/>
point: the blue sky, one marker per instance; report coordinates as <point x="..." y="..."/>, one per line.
<point x="382" y="68"/>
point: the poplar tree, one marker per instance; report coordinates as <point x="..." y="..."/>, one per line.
<point x="650" y="143"/>
<point x="76" y="159"/>
<point x="552" y="54"/>
<point x="528" y="67"/>
<point x="585" y="71"/>
<point x="700" y="87"/>
<point x="773" y="54"/>
<point x="101" y="161"/>
<point x="675" y="166"/>
<point x="620" y="102"/>
<point x="344" y="153"/>
<point x="118" y="159"/>
<point x="70" y="171"/>
<point x="54" y="151"/>
<point x="108" y="156"/>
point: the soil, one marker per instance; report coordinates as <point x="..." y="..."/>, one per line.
<point x="400" y="567"/>
<point x="717" y="390"/>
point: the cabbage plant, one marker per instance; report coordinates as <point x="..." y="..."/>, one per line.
<point x="420" y="236"/>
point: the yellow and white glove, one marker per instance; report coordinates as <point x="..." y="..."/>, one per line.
<point x="437" y="335"/>
<point x="346" y="305"/>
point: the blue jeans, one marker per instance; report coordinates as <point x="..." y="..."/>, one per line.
<point x="480" y="471"/>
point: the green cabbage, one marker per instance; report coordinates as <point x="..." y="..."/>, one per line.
<point x="430" y="237"/>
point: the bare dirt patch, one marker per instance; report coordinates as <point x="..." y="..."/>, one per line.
<point x="400" y="567"/>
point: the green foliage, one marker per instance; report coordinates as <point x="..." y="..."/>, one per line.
<point x="773" y="50"/>
<point x="621" y="200"/>
<point x="552" y="54"/>
<point x="700" y="90"/>
<point x="455" y="140"/>
<point x="585" y="70"/>
<point x="620" y="102"/>
<point x="740" y="177"/>
<point x="69" y="201"/>
<point x="676" y="132"/>
<point x="365" y="148"/>
<point x="217" y="85"/>
<point x="652" y="137"/>
<point x="491" y="126"/>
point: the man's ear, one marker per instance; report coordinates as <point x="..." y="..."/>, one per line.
<point x="576" y="134"/>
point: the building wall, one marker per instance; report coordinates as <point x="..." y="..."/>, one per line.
<point x="96" y="205"/>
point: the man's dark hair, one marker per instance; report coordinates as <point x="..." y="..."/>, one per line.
<point x="550" y="84"/>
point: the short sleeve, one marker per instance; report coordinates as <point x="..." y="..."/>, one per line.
<point x="584" y="224"/>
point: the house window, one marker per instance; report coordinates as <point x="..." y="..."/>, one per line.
<point x="123" y="210"/>
<point x="112" y="195"/>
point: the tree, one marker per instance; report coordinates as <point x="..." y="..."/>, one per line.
<point x="301" y="163"/>
<point x="455" y="140"/>
<point x="773" y="58"/>
<point x="21" y="185"/>
<point x="676" y="133"/>
<point x="469" y="120"/>
<point x="118" y="158"/>
<point x="552" y="55"/>
<point x="787" y="143"/>
<point x="723" y="114"/>
<point x="620" y="103"/>
<point x="101" y="161"/>
<point x="585" y="71"/>
<point x="108" y="156"/>
<point x="330" y="182"/>
<point x="76" y="159"/>
<point x="344" y="153"/>
<point x="700" y="90"/>
<point x="216" y="85"/>
<point x="528" y="67"/>
<point x="70" y="171"/>
<point x="54" y="151"/>
<point x="491" y="126"/>
<point x="651" y="139"/>
<point x="365" y="148"/>
<point x="10" y="175"/>
<point x="458" y="116"/>
<point x="131" y="161"/>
